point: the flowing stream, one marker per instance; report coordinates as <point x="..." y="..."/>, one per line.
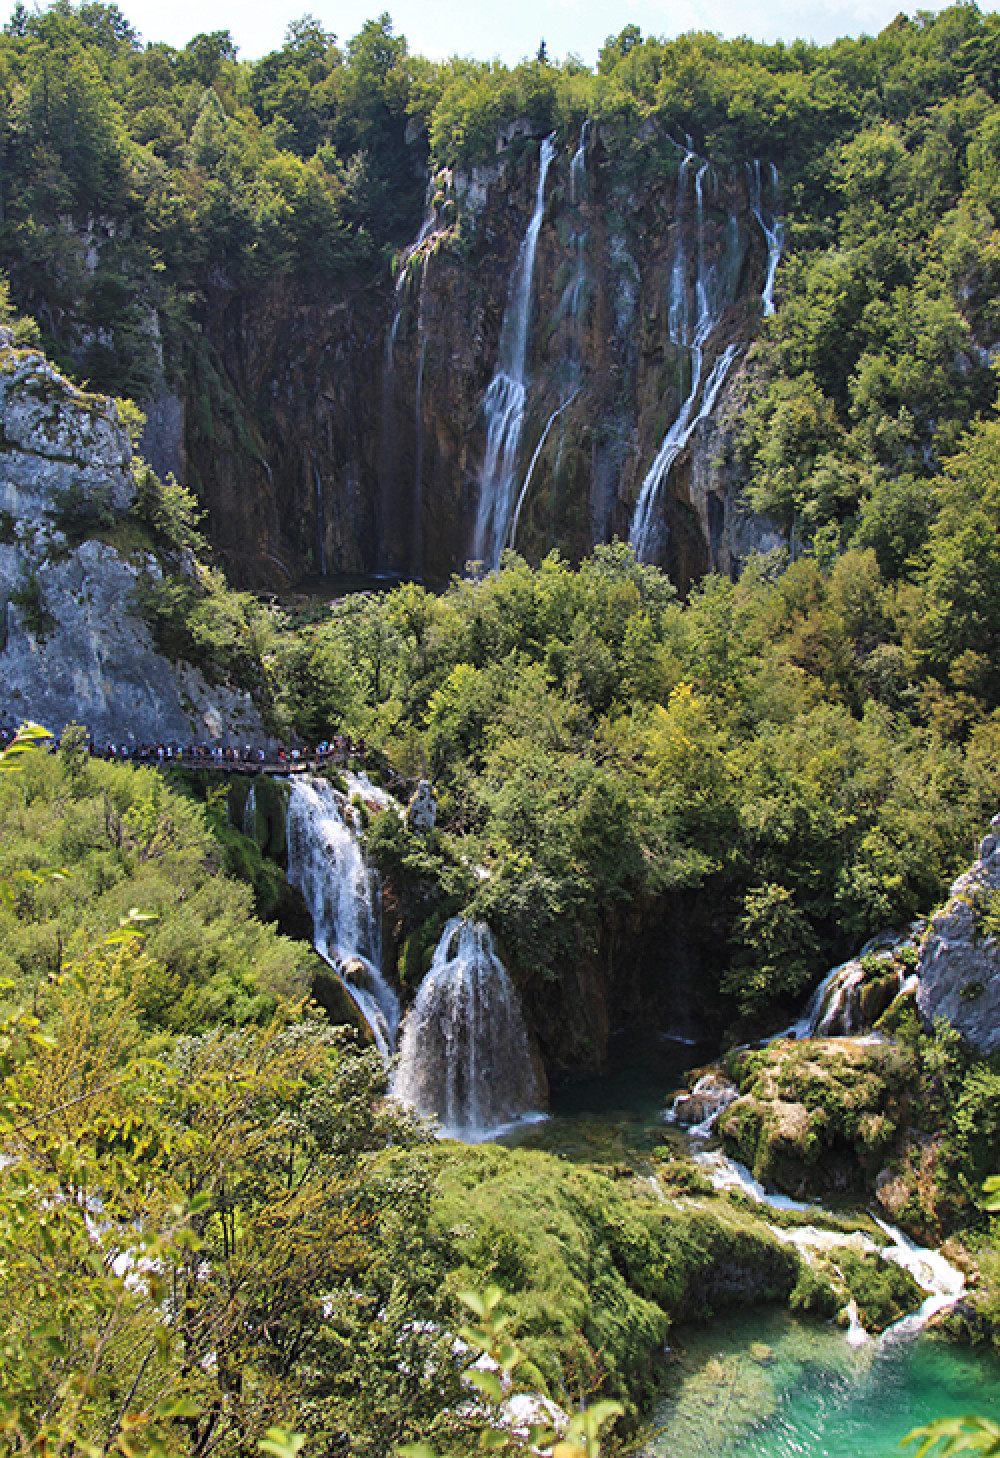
<point x="505" y="399"/>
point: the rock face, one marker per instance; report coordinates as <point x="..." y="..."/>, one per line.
<point x="959" y="965"/>
<point x="421" y="812"/>
<point x="71" y="645"/>
<point x="356" y="429"/>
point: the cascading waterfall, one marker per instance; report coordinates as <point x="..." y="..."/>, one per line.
<point x="320" y="523"/>
<point x="464" y="1056"/>
<point x="578" y="167"/>
<point x="417" y="534"/>
<point x="709" y="299"/>
<point x="326" y="863"/>
<point x="835" y="1008"/>
<point x="505" y="399"/>
<point x="771" y="225"/>
<point x="534" y="461"/>
<point x="387" y="452"/>
<point x="249" y="826"/>
<point x="571" y="309"/>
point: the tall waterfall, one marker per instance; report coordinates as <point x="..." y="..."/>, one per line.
<point x="464" y="1055"/>
<point x="571" y="309"/>
<point x="710" y="297"/>
<point x="326" y="863"/>
<point x="771" y="225"/>
<point x="505" y="399"/>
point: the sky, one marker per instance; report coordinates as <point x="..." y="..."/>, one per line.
<point x="509" y="30"/>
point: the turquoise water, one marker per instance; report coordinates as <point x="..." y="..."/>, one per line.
<point x="618" y="1112"/>
<point x="763" y="1385"/>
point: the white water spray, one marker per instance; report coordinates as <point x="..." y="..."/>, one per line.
<point x="507" y="394"/>
<point x="464" y="1056"/>
<point x="326" y="863"/>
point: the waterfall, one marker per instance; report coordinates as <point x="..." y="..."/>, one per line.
<point x="427" y="226"/>
<point x="505" y="399"/>
<point x="835" y="1009"/>
<point x="771" y="226"/>
<point x="326" y="863"/>
<point x="578" y="167"/>
<point x="320" y="524"/>
<point x="417" y="540"/>
<point x="941" y="1282"/>
<point x="464" y="1056"/>
<point x="534" y="461"/>
<point x="709" y="298"/>
<point x="249" y="826"/>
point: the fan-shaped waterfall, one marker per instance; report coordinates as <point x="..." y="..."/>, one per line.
<point x="711" y="288"/>
<point x="326" y="863"/>
<point x="505" y="399"/>
<point x="464" y="1056"/>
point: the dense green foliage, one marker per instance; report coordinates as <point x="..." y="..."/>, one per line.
<point x="781" y="745"/>
<point x="254" y="1236"/>
<point x="119" y="839"/>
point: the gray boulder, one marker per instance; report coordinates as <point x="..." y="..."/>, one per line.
<point x="421" y="812"/>
<point x="959" y="968"/>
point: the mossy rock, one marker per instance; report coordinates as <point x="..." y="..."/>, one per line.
<point x="877" y="996"/>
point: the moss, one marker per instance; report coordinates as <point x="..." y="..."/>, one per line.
<point x="27" y="598"/>
<point x="883" y="1291"/>
<point x="594" y="1267"/>
<point x="822" y="1114"/>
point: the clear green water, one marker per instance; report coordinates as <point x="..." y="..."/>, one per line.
<point x="760" y="1384"/>
<point x="763" y="1385"/>
<point x="620" y="1111"/>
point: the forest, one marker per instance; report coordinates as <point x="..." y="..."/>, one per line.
<point x="218" y="1234"/>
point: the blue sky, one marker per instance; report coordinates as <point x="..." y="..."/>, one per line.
<point x="509" y="30"/>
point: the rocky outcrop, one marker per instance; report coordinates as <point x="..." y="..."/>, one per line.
<point x="711" y="1094"/>
<point x="421" y="812"/>
<point x="72" y="646"/>
<point x="959" y="965"/>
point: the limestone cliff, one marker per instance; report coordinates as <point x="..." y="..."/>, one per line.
<point x="960" y="959"/>
<point x="361" y="429"/>
<point x="72" y="646"/>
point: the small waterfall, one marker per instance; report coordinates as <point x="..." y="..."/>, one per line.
<point x="534" y="461"/>
<point x="403" y="278"/>
<point x="505" y="399"/>
<point x="417" y="536"/>
<point x="326" y="863"/>
<point x="320" y="522"/>
<point x="578" y="167"/>
<point x="709" y="297"/>
<point x="771" y="225"/>
<point x="835" y="1008"/>
<point x="249" y="826"/>
<point x="942" y="1282"/>
<point x="464" y="1056"/>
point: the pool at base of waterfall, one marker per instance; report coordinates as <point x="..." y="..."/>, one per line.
<point x="764" y="1384"/>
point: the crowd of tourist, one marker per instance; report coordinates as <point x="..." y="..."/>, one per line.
<point x="340" y="750"/>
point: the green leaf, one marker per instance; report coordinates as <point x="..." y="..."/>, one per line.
<point x="281" y="1444"/>
<point x="487" y="1382"/>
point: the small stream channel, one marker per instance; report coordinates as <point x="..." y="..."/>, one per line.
<point x="761" y="1384"/>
